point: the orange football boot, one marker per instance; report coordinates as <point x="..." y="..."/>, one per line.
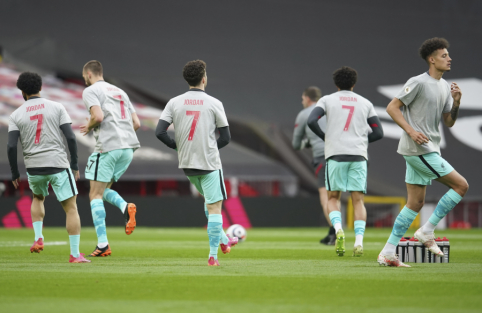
<point x="130" y="217"/>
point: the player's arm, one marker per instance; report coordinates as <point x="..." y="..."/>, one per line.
<point x="315" y="115"/>
<point x="377" y="130"/>
<point x="451" y="117"/>
<point x="12" y="156"/>
<point x="298" y="134"/>
<point x="96" y="117"/>
<point x="72" y="144"/>
<point x="135" y="121"/>
<point x="224" y="137"/>
<point x="162" y="135"/>
<point x="393" y="109"/>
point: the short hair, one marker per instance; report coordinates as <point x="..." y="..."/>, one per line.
<point x="29" y="83"/>
<point x="431" y="45"/>
<point x="194" y="71"/>
<point x="95" y="67"/>
<point x="345" y="77"/>
<point x="314" y="93"/>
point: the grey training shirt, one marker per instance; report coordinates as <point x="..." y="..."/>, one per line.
<point x="425" y="99"/>
<point x="302" y="130"/>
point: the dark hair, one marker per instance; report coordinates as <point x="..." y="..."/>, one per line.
<point x="95" y="67"/>
<point x="345" y="78"/>
<point x="431" y="45"/>
<point x="194" y="71"/>
<point x="314" y="93"/>
<point x="29" y="83"/>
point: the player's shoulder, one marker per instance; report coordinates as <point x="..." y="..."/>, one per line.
<point x="362" y="99"/>
<point x="212" y="99"/>
<point x="422" y="78"/>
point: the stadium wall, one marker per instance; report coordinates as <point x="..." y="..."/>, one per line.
<point x="177" y="212"/>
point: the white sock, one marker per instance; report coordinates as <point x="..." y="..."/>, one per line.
<point x="337" y="227"/>
<point x="389" y="249"/>
<point x="359" y="240"/>
<point x="428" y="228"/>
<point x="102" y="245"/>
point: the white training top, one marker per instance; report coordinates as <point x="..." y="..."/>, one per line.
<point x="116" y="131"/>
<point x="39" y="121"/>
<point x="196" y="115"/>
<point x="425" y="99"/>
<point x="346" y="123"/>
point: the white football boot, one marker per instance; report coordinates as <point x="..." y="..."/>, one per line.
<point x="428" y="241"/>
<point x="390" y="260"/>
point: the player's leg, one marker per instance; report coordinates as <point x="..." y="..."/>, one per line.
<point x="39" y="185"/>
<point x="415" y="202"/>
<point x="360" y="221"/>
<point x="215" y="227"/>
<point x="323" y="194"/>
<point x="357" y="184"/>
<point x="336" y="182"/>
<point x="128" y="209"/>
<point x="65" y="189"/>
<point x="458" y="188"/>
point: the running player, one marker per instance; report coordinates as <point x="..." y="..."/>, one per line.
<point x="349" y="118"/>
<point x="425" y="100"/>
<point x="303" y="137"/>
<point x="39" y="124"/>
<point x="114" y="122"/>
<point x="196" y="116"/>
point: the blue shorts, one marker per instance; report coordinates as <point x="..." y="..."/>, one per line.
<point x="108" y="166"/>
<point x="63" y="184"/>
<point x="421" y="169"/>
<point x="211" y="186"/>
<point x="346" y="176"/>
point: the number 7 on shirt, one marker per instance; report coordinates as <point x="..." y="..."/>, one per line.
<point x="194" y="123"/>
<point x="39" y="118"/>
<point x="350" y="115"/>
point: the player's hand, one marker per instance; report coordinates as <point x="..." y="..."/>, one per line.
<point x="16" y="183"/>
<point x="84" y="129"/>
<point x="419" y="138"/>
<point x="456" y="93"/>
<point x="76" y="175"/>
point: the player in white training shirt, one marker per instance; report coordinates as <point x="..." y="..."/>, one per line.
<point x="425" y="100"/>
<point x="303" y="138"/>
<point x="349" y="119"/>
<point x="114" y="123"/>
<point x="39" y="123"/>
<point x="196" y="116"/>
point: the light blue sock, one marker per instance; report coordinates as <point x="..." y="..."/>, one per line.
<point x="74" y="245"/>
<point x="98" y="215"/>
<point x="360" y="227"/>
<point x="402" y="223"/>
<point x="224" y="238"/>
<point x="114" y="198"/>
<point x="445" y="205"/>
<point x="215" y="227"/>
<point x="335" y="217"/>
<point x="37" y="228"/>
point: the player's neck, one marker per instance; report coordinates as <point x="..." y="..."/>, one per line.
<point x="201" y="87"/>
<point x="435" y="73"/>
<point x="93" y="80"/>
<point x="37" y="95"/>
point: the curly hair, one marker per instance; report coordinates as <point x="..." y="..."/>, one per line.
<point x="29" y="83"/>
<point x="345" y="78"/>
<point x="194" y="71"/>
<point x="431" y="45"/>
<point x="314" y="93"/>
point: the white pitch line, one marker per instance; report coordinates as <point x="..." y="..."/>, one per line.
<point x="23" y="244"/>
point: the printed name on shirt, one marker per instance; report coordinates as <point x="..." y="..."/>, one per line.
<point x="112" y="89"/>
<point x="353" y="99"/>
<point x="35" y="107"/>
<point x="193" y="102"/>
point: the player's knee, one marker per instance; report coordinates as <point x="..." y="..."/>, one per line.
<point x="417" y="204"/>
<point x="38" y="197"/>
<point x="463" y="187"/>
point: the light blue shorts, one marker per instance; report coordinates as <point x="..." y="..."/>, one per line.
<point x="346" y="176"/>
<point x="211" y="186"/>
<point x="421" y="169"/>
<point x="108" y="166"/>
<point x="63" y="184"/>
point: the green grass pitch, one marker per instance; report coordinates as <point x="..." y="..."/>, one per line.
<point x="275" y="270"/>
